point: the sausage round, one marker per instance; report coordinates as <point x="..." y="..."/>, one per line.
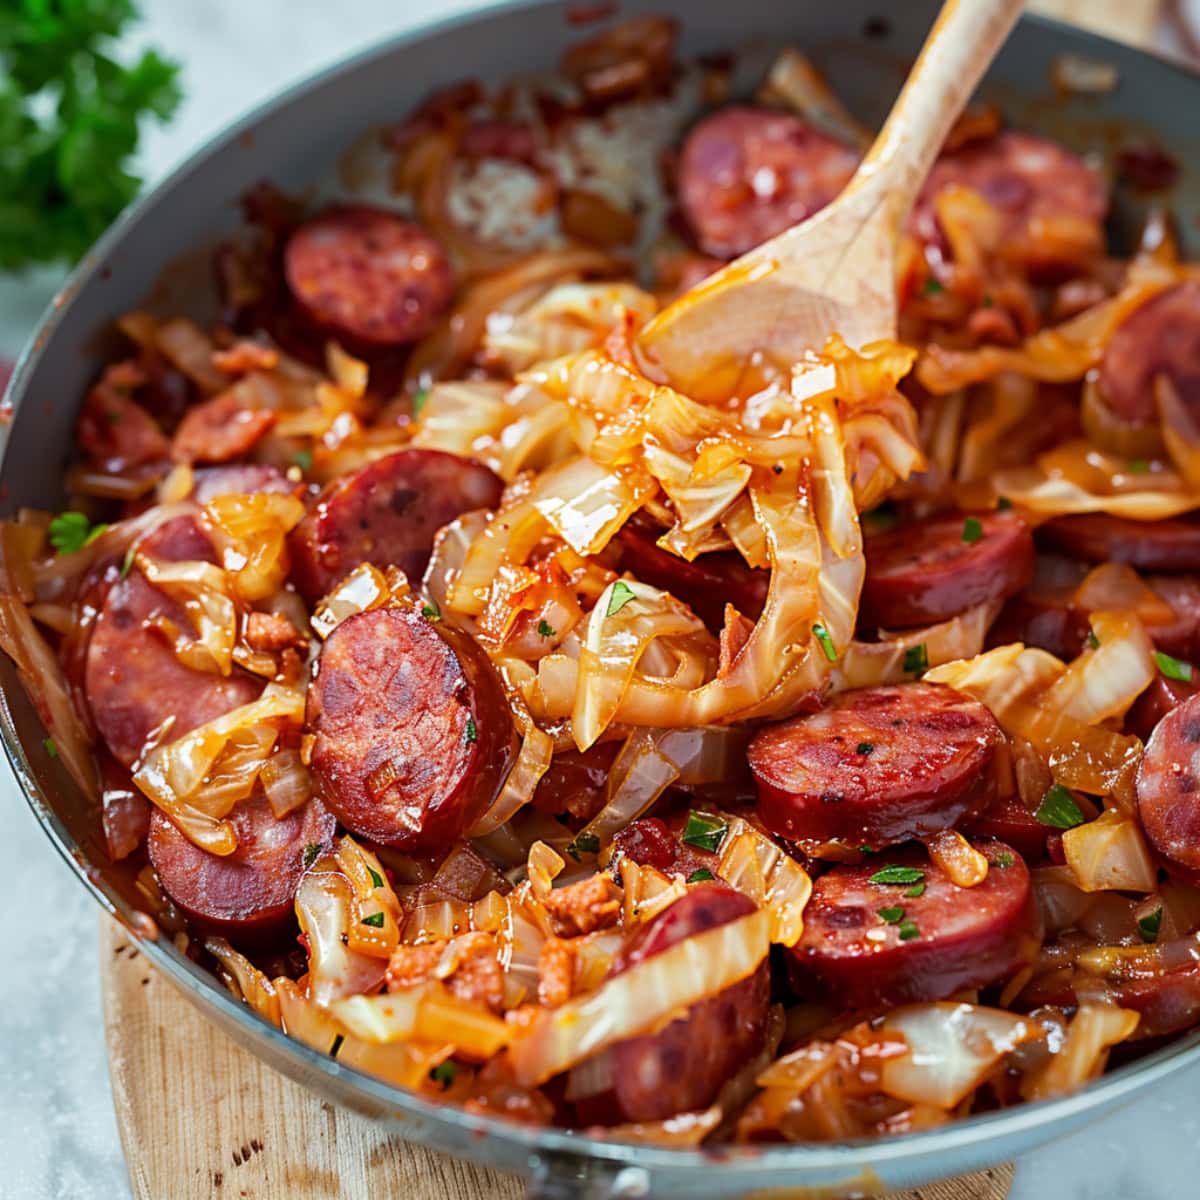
<point x="1155" y="702"/>
<point x="368" y="274"/>
<point x="1162" y="337"/>
<point x="249" y="893"/>
<point x="387" y="514"/>
<point x="925" y="572"/>
<point x="413" y="737"/>
<point x="681" y="1068"/>
<point x="746" y="174"/>
<point x="877" y="766"/>
<point x="1025" y="178"/>
<point x="1008" y="820"/>
<point x="1180" y="637"/>
<point x="576" y="782"/>
<point x="1172" y="544"/>
<point x="1044" y="622"/>
<point x="132" y="678"/>
<point x="944" y="939"/>
<point x="1168" y="790"/>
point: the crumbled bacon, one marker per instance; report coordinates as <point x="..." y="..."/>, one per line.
<point x="583" y="907"/>
<point x="476" y="977"/>
<point x="271" y="632"/>
<point x="114" y="430"/>
<point x="219" y="429"/>
<point x="246" y="356"/>
<point x="556" y="972"/>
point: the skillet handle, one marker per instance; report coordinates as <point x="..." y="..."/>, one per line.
<point x="562" y="1178"/>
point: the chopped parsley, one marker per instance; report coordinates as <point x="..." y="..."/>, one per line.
<point x="1093" y="642"/>
<point x="545" y="629"/>
<point x="1058" y="809"/>
<point x="472" y="732"/>
<point x="891" y="914"/>
<point x="375" y="920"/>
<point x="620" y="596"/>
<point x="418" y="401"/>
<point x="584" y="843"/>
<point x="866" y="747"/>
<point x="908" y="930"/>
<point x="934" y="287"/>
<point x="701" y="875"/>
<point x="916" y="660"/>
<point x="881" y="519"/>
<point x="430" y="609"/>
<point x="1003" y="504"/>
<point x="705" y="831"/>
<point x="303" y="459"/>
<point x="71" y="531"/>
<point x="1148" y="925"/>
<point x="51" y="748"/>
<point x="917" y="889"/>
<point x="444" y="1073"/>
<point x="987" y="302"/>
<point x="898" y="875"/>
<point x="127" y="562"/>
<point x="1173" y="668"/>
<point x="972" y="530"/>
<point x="376" y="878"/>
<point x="311" y="853"/>
<point x="1138" y="466"/>
<point x="1004" y="859"/>
<point x="822" y="636"/>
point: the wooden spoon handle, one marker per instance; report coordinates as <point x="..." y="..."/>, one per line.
<point x="959" y="49"/>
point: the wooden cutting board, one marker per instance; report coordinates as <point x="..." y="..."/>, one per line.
<point x="202" y="1119"/>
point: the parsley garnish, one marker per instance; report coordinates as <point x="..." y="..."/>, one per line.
<point x="375" y="920"/>
<point x="822" y="636"/>
<point x="430" y="609"/>
<point x="1003" y="504"/>
<point x="303" y="459"/>
<point x="987" y="302"/>
<point x="1092" y="641"/>
<point x="71" y="531"/>
<point x="898" y="875"/>
<point x="444" y="1073"/>
<point x="1138" y="466"/>
<point x="311" y="853"/>
<point x="908" y="930"/>
<point x="1173" y="668"/>
<point x="620" y="596"/>
<point x="916" y="659"/>
<point x="917" y="889"/>
<point x="891" y="914"/>
<point x="545" y="629"/>
<point x="972" y="530"/>
<point x="705" y="831"/>
<point x="51" y="748"/>
<point x="418" y="401"/>
<point x="472" y="732"/>
<point x="376" y="878"/>
<point x="934" y="287"/>
<point x="127" y="562"/>
<point x="1058" y="809"/>
<point x="584" y="843"/>
<point x="881" y="519"/>
<point x="701" y="875"/>
<point x="1004" y="859"/>
<point x="866" y="748"/>
<point x="1148" y="925"/>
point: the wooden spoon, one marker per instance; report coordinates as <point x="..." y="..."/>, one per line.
<point x="835" y="272"/>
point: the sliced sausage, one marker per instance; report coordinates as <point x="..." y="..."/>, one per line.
<point x="1181" y="636"/>
<point x="1168" y="790"/>
<point x="943" y="939"/>
<point x="705" y="585"/>
<point x="1027" y="179"/>
<point x="238" y="479"/>
<point x="1008" y="820"/>
<point x="746" y="174"/>
<point x="369" y="274"/>
<point x="1156" y="701"/>
<point x="132" y="678"/>
<point x="681" y="1068"/>
<point x="877" y="766"/>
<point x="413" y="735"/>
<point x="651" y="842"/>
<point x="1172" y="544"/>
<point x="1162" y="337"/>
<point x="249" y="893"/>
<point x="1041" y="621"/>
<point x="576" y="783"/>
<point x="935" y="569"/>
<point x="386" y="513"/>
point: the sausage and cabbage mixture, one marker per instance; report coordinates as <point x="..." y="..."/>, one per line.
<point x="811" y="756"/>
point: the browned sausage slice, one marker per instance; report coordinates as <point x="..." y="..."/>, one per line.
<point x="1162" y="337"/>
<point x="932" y="570"/>
<point x="1026" y="178"/>
<point x="386" y="513"/>
<point x="249" y="893"/>
<point x="946" y="938"/>
<point x="1172" y="544"/>
<point x="369" y="274"/>
<point x="1008" y="820"/>
<point x="413" y="735"/>
<point x="1156" y="701"/>
<point x="877" y="766"/>
<point x="132" y="678"/>
<point x="746" y="174"/>
<point x="1168" y="790"/>
<point x="682" y="1067"/>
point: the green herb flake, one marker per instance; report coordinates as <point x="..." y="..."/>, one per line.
<point x="584" y="843"/>
<point x="822" y="636"/>
<point x="972" y="530"/>
<point x="545" y="629"/>
<point x="916" y="660"/>
<point x="891" y="914"/>
<point x="701" y="875"/>
<point x="419" y="400"/>
<point x="620" y="596"/>
<point x="1138" y="466"/>
<point x="1004" y="859"/>
<point x="1173" y="668"/>
<point x="705" y="831"/>
<point x="917" y="889"/>
<point x="987" y="302"/>
<point x="430" y="609"/>
<point x="865" y="748"/>
<point x="71" y="531"/>
<point x="1058" y="809"/>
<point x="303" y="459"/>
<point x="1092" y="641"/>
<point x="1003" y="504"/>
<point x="311" y="853"/>
<point x="1148" y="925"/>
<point x="934" y="287"/>
<point x="444" y="1073"/>
<point x="881" y="519"/>
<point x="375" y="920"/>
<point x="127" y="562"/>
<point x="898" y="875"/>
<point x="908" y="930"/>
<point x="472" y="732"/>
<point x="51" y="748"/>
<point x="376" y="878"/>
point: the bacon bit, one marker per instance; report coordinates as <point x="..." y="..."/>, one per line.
<point x="511" y="140"/>
<point x="591" y="218"/>
<point x="410" y="965"/>
<point x="631" y="58"/>
<point x="735" y="633"/>
<point x="220" y="429"/>
<point x="290" y="667"/>
<point x="583" y="907"/>
<point x="246" y="356"/>
<point x="556" y="972"/>
<point x="474" y="976"/>
<point x="114" y="430"/>
<point x="272" y="633"/>
<point x="618" y="345"/>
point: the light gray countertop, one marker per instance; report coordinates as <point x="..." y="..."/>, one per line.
<point x="58" y="1139"/>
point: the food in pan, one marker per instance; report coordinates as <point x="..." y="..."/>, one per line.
<point x="491" y="714"/>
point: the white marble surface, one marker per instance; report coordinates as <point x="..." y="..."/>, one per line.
<point x="58" y="1140"/>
